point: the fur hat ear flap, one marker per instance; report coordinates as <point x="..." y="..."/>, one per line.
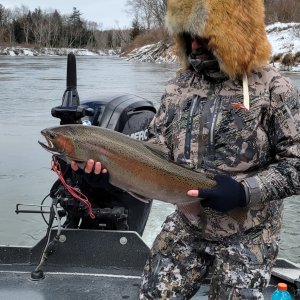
<point x="182" y="48"/>
<point x="235" y="30"/>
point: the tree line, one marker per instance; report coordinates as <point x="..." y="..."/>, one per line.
<point x="50" y="28"/>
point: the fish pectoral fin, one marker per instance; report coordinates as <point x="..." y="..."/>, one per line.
<point x="139" y="197"/>
<point x="157" y="150"/>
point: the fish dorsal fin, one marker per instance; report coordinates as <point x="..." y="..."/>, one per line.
<point x="139" y="197"/>
<point x="157" y="150"/>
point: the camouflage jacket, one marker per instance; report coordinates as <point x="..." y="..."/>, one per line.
<point x="204" y="128"/>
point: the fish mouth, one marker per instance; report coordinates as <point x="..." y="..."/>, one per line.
<point x="49" y="146"/>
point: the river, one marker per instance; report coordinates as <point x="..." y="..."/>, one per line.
<point x="30" y="87"/>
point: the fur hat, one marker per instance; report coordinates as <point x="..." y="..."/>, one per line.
<point x="235" y="30"/>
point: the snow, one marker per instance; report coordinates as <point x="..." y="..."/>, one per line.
<point x="20" y="51"/>
<point x="156" y="53"/>
<point x="284" y="39"/>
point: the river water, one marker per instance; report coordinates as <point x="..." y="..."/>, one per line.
<point x="29" y="88"/>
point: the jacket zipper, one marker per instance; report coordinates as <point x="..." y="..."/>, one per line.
<point x="189" y="127"/>
<point x="217" y="106"/>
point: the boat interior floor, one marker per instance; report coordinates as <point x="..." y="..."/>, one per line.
<point x="92" y="264"/>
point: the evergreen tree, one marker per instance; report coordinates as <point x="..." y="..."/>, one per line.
<point x="56" y="36"/>
<point x="76" y="29"/>
<point x="136" y="29"/>
<point x="75" y="18"/>
<point x="18" y="32"/>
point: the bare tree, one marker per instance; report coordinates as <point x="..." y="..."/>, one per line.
<point x="24" y="17"/>
<point x="7" y="17"/>
<point x="141" y="10"/>
<point x="2" y="23"/>
<point x="158" y="11"/>
<point x="151" y="12"/>
<point x="91" y="28"/>
<point x="10" y="15"/>
<point x="39" y="26"/>
<point x="48" y="24"/>
<point x="56" y="28"/>
<point x="100" y="39"/>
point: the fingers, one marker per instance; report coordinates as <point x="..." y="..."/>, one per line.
<point x="74" y="166"/>
<point x="193" y="193"/>
<point x="96" y="166"/>
<point x="204" y="193"/>
<point x="89" y="166"/>
<point x="97" y="169"/>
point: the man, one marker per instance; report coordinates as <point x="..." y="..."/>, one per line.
<point x="231" y="115"/>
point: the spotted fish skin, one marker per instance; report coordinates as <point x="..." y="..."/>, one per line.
<point x="135" y="166"/>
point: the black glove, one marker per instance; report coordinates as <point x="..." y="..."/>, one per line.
<point x="93" y="180"/>
<point x="227" y="195"/>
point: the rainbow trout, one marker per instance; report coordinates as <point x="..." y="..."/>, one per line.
<point x="139" y="168"/>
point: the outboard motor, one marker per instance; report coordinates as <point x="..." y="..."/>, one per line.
<point x="114" y="209"/>
<point x="106" y="208"/>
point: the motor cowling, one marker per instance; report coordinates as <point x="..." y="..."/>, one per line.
<point x="126" y="113"/>
<point x="114" y="209"/>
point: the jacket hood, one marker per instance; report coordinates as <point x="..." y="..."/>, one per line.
<point x="235" y="30"/>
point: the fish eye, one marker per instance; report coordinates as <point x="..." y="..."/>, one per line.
<point x="52" y="135"/>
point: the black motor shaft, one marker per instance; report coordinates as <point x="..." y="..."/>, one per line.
<point x="70" y="111"/>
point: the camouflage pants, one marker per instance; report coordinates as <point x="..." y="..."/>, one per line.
<point x="180" y="260"/>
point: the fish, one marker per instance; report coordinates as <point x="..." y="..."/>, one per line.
<point x="138" y="167"/>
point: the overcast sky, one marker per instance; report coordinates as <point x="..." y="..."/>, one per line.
<point x="111" y="13"/>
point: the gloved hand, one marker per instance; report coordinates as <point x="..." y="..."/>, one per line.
<point x="93" y="175"/>
<point x="227" y="195"/>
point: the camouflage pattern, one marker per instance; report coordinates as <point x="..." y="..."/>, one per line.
<point x="180" y="259"/>
<point x="204" y="127"/>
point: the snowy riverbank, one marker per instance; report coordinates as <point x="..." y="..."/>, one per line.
<point x="22" y="51"/>
<point x="284" y="39"/>
<point x="285" y="42"/>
